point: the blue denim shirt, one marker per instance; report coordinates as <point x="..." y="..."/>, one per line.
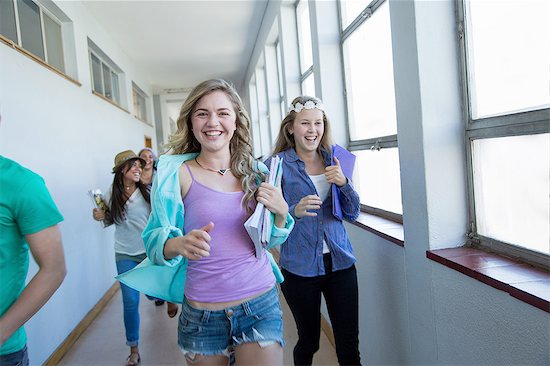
<point x="302" y="253"/>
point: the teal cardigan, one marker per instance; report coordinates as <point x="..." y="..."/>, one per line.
<point x="165" y="278"/>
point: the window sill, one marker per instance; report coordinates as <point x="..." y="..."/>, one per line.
<point x="524" y="282"/>
<point x="384" y="228"/>
<point x="35" y="58"/>
<point x="109" y="101"/>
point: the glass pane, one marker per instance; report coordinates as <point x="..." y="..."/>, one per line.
<point x="512" y="189"/>
<point x="54" y="44"/>
<point x="280" y="78"/>
<point x="7" y="21"/>
<point x="304" y="36"/>
<point x="263" y="111"/>
<point x="377" y="179"/>
<point x="350" y="9"/>
<point x="31" y="30"/>
<point x="255" y="126"/>
<point x="96" y="74"/>
<point x="509" y="56"/>
<point x="116" y="92"/>
<point x="142" y="108"/>
<point x="308" y="86"/>
<point x="107" y="81"/>
<point x="369" y="78"/>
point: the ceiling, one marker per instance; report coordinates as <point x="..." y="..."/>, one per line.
<point x="178" y="44"/>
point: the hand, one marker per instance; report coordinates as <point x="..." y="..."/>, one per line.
<point x="311" y="202"/>
<point x="99" y="215"/>
<point x="193" y="245"/>
<point x="334" y="174"/>
<point x="272" y="198"/>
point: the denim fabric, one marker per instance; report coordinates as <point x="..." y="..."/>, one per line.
<point x="130" y="302"/>
<point x="218" y="332"/>
<point x="302" y="254"/>
<point x="19" y="358"/>
<point x="303" y="295"/>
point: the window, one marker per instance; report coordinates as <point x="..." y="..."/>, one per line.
<point x="33" y="28"/>
<point x="305" y="48"/>
<point x="140" y="103"/>
<point x="506" y="89"/>
<point x="370" y="99"/>
<point x="280" y="80"/>
<point x="105" y="74"/>
<point x="255" y="118"/>
<point x="263" y="111"/>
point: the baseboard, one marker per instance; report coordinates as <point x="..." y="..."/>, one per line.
<point x="58" y="354"/>
<point x="325" y="325"/>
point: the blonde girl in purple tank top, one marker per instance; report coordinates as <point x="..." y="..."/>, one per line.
<point x="212" y="326"/>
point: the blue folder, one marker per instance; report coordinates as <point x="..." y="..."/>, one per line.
<point x="347" y="163"/>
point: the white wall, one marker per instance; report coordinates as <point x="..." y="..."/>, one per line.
<point x="69" y="136"/>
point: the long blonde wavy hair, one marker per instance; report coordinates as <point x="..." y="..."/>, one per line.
<point x="285" y="140"/>
<point x="242" y="163"/>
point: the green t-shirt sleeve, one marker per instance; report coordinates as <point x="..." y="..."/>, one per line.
<point x="35" y="210"/>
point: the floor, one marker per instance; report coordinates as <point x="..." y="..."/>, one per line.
<point x="103" y="343"/>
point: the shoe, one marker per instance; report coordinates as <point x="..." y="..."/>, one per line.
<point x="159" y="302"/>
<point x="172" y="309"/>
<point x="133" y="359"/>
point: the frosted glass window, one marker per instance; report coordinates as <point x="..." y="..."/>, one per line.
<point x="107" y="82"/>
<point x="370" y="89"/>
<point x="116" y="89"/>
<point x="263" y="111"/>
<point x="350" y="9"/>
<point x="257" y="144"/>
<point x="31" y="30"/>
<point x="96" y="74"/>
<point x="7" y="20"/>
<point x="508" y="56"/>
<point x="511" y="188"/>
<point x="54" y="44"/>
<point x="304" y="36"/>
<point x="377" y="179"/>
<point x="140" y="107"/>
<point x="308" y="86"/>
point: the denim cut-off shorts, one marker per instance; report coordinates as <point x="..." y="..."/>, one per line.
<point x="218" y="332"/>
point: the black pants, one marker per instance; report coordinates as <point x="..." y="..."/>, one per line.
<point x="303" y="295"/>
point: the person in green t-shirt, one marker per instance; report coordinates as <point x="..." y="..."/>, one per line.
<point x="28" y="221"/>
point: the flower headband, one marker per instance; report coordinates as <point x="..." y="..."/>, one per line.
<point x="310" y="104"/>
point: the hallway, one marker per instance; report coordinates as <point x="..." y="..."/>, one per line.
<point x="103" y="342"/>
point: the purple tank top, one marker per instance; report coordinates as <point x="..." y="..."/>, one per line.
<point x="232" y="271"/>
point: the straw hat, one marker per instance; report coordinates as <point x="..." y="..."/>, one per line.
<point x="123" y="157"/>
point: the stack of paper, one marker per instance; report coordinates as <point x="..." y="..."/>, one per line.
<point x="259" y="224"/>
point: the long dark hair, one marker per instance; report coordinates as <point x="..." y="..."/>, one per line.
<point x="119" y="195"/>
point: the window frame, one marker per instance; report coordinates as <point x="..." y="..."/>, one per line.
<point x="310" y="71"/>
<point x="137" y="93"/>
<point x="118" y="100"/>
<point x="373" y="143"/>
<point x="42" y="12"/>
<point x="502" y="125"/>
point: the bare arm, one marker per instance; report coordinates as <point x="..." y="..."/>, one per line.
<point x="47" y="250"/>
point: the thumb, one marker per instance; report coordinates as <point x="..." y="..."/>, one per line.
<point x="208" y="227"/>
<point x="336" y="161"/>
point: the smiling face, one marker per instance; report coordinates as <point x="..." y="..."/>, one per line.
<point x="132" y="172"/>
<point x="213" y="121"/>
<point x="149" y="159"/>
<point x="307" y="129"/>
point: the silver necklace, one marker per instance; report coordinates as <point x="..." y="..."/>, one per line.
<point x="219" y="171"/>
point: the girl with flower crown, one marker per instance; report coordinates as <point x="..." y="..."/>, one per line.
<point x="317" y="257"/>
